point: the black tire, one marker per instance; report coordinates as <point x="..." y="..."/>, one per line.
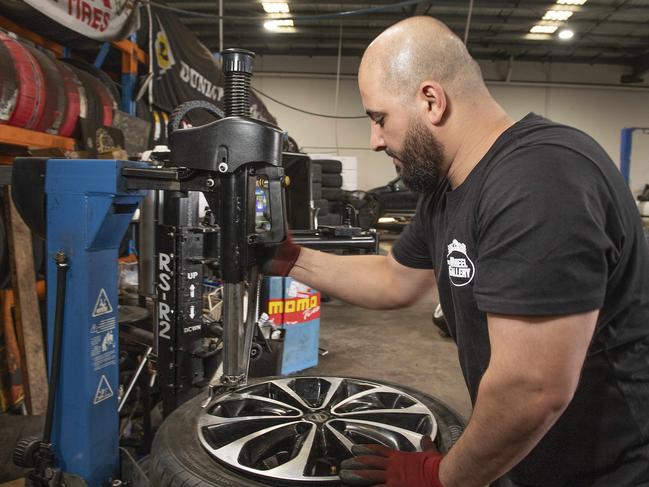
<point x="91" y="69"/>
<point x="160" y="119"/>
<point x="322" y="205"/>
<point x="179" y="460"/>
<point x="399" y="201"/>
<point x="316" y="173"/>
<point x="330" y="166"/>
<point x="142" y="111"/>
<point x="316" y="191"/>
<point x="332" y="180"/>
<point x="93" y="103"/>
<point x="333" y="194"/>
<point x="55" y="95"/>
<point x="330" y="219"/>
<point x="8" y="85"/>
<point x="365" y="221"/>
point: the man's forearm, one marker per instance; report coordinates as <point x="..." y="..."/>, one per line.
<point x="356" y="279"/>
<point x="509" y="419"/>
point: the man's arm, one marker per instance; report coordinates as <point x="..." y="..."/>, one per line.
<point x="532" y="376"/>
<point x="370" y="281"/>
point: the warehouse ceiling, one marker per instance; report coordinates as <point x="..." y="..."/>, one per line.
<point x="608" y="32"/>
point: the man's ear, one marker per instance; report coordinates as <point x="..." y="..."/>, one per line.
<point x="433" y="97"/>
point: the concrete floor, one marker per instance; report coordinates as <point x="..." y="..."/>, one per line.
<point x="401" y="346"/>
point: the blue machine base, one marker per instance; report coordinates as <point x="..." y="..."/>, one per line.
<point x="88" y="212"/>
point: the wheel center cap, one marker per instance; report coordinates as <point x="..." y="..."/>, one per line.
<point x="319" y="417"/>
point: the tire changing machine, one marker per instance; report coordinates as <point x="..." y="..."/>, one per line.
<point x="88" y="205"/>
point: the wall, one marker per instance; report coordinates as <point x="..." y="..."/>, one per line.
<point x="601" y="110"/>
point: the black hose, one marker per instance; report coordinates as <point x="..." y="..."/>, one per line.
<point x="55" y="370"/>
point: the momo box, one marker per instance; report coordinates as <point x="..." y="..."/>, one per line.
<point x="295" y="308"/>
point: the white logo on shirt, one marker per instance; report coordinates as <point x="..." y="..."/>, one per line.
<point x="460" y="268"/>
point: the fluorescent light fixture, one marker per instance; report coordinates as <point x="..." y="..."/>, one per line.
<point x="275" y="7"/>
<point x="571" y="2"/>
<point x="566" y="34"/>
<point x="278" y="24"/>
<point x="544" y="29"/>
<point x="559" y="15"/>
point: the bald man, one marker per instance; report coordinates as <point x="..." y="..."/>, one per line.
<point x="537" y="249"/>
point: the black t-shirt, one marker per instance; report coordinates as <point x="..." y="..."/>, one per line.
<point x="545" y="225"/>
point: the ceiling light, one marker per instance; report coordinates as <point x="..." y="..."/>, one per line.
<point x="275" y="7"/>
<point x="544" y="29"/>
<point x="571" y="2"/>
<point x="560" y="15"/>
<point x="277" y="24"/>
<point x="566" y="34"/>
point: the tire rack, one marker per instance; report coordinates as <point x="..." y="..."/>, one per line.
<point x="20" y="137"/>
<point x="131" y="56"/>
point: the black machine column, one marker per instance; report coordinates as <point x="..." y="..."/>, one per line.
<point x="234" y="156"/>
<point x="180" y="282"/>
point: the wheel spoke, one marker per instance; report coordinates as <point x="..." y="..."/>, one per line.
<point x="342" y="439"/>
<point x="335" y="382"/>
<point x="298" y="464"/>
<point x="209" y="421"/>
<point x="283" y="385"/>
<point x="247" y="396"/>
<point x="374" y="395"/>
<point x="242" y="398"/>
<point x="354" y="397"/>
<point x="414" y="409"/>
<point x="232" y="451"/>
<point x="414" y="439"/>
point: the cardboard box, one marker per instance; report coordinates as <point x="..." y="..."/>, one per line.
<point x="295" y="308"/>
<point x="290" y="302"/>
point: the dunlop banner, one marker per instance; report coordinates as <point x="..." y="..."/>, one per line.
<point x="184" y="69"/>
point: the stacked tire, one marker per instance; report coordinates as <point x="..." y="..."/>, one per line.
<point x="158" y="120"/>
<point x="328" y="195"/>
<point x="321" y="205"/>
<point x="38" y="92"/>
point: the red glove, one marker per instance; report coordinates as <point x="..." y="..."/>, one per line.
<point x="278" y="260"/>
<point x="380" y="466"/>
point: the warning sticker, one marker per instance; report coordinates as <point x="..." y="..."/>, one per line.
<point x="104" y="391"/>
<point x="103" y="305"/>
<point x="103" y="350"/>
<point x="104" y="325"/>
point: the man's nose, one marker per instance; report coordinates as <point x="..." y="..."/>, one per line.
<point x="376" y="138"/>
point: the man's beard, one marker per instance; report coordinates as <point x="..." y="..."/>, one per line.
<point x="421" y="158"/>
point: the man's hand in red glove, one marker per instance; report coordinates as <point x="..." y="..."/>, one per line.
<point x="278" y="260"/>
<point x="379" y="466"/>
